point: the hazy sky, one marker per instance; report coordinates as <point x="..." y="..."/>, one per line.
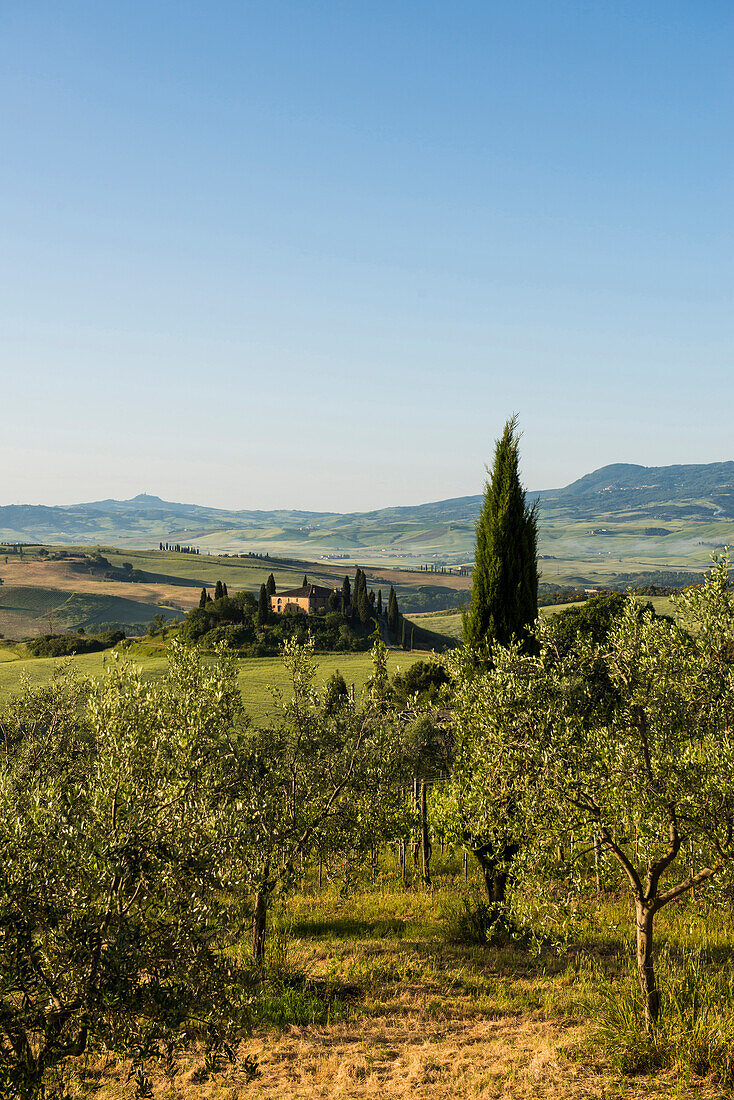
<point x="310" y="254"/>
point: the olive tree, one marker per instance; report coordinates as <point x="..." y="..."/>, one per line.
<point x="642" y="752"/>
<point x="496" y="714"/>
<point x="325" y="778"/>
<point x="627" y="743"/>
<point x="113" y="896"/>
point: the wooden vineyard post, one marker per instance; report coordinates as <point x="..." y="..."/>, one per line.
<point x="416" y="805"/>
<point x="425" y="842"/>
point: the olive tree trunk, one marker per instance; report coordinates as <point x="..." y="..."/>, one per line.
<point x="650" y="996"/>
<point x="259" y="924"/>
<point x="494" y="867"/>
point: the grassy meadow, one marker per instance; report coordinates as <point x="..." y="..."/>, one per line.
<point x="258" y="677"/>
<point x="41" y="596"/>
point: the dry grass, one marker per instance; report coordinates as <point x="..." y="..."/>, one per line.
<point x="413" y="577"/>
<point x="428" y="1020"/>
<point x="60" y="575"/>
<point x="418" y="1056"/>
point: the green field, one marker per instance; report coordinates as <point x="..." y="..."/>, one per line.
<point x="449" y="623"/>
<point x="195" y="570"/>
<point x="257" y="676"/>
<point x="249" y="573"/>
<point x="443" y="622"/>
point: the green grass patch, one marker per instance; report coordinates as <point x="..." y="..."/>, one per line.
<point x="260" y="678"/>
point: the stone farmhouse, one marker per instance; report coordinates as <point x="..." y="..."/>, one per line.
<point x="308" y="599"/>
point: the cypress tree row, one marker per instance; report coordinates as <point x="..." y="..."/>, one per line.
<point x="505" y="580"/>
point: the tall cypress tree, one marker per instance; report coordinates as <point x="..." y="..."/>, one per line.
<point x="270" y="585"/>
<point x="218" y="590"/>
<point x="363" y="605"/>
<point x="379" y="603"/>
<point x="263" y="606"/>
<point x="202" y="598"/>
<point x="346" y="595"/>
<point x="356" y="589"/>
<point x="505" y="580"/>
<point x="224" y="589"/>
<point x="305" y="580"/>
<point x="393" y="614"/>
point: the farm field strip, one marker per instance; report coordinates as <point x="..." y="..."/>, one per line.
<point x="61" y="578"/>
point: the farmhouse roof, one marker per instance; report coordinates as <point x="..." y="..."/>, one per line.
<point x="308" y="590"/>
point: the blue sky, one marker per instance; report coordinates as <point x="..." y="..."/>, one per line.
<point x="314" y="254"/>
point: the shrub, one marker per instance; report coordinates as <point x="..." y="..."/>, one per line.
<point x="473" y="920"/>
<point x="63" y="645"/>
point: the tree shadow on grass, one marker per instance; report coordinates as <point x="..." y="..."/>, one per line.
<point x="349" y="928"/>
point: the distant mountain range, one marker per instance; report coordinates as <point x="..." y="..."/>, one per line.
<point x="616" y="494"/>
<point x="622" y="486"/>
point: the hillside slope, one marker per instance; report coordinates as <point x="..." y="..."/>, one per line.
<point x="675" y="514"/>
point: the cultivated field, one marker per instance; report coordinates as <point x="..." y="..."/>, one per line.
<point x="39" y="596"/>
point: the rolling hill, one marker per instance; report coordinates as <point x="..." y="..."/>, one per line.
<point x="642" y="517"/>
